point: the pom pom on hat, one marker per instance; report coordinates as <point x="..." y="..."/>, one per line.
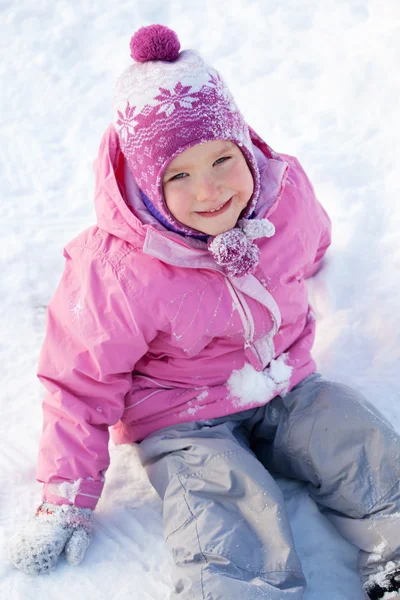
<point x="155" y="42"/>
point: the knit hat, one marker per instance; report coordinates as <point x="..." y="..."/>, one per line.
<point x="167" y="102"/>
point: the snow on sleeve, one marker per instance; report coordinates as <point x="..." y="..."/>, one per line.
<point x="69" y="490"/>
<point x="193" y="406"/>
<point x="249" y="387"/>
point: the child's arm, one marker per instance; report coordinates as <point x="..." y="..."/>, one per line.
<point x="95" y="335"/>
<point x="320" y="221"/>
<point x="324" y="241"/>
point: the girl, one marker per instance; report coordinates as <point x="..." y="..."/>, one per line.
<point x="182" y="322"/>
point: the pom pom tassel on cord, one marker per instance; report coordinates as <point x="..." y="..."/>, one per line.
<point x="235" y="251"/>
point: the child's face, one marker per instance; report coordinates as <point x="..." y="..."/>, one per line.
<point x="206" y="177"/>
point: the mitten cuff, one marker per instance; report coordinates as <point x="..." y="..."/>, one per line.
<point x="70" y="516"/>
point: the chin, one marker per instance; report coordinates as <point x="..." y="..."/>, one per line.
<point x="217" y="230"/>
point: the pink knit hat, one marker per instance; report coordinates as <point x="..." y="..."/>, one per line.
<point x="167" y="102"/>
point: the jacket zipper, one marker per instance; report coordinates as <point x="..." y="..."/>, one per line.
<point x="177" y="242"/>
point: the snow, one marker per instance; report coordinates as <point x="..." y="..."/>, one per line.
<point x="193" y="406"/>
<point x="257" y="228"/>
<point x="279" y="371"/>
<point x="381" y="579"/>
<point x="248" y="386"/>
<point x="318" y="80"/>
<point x="69" y="490"/>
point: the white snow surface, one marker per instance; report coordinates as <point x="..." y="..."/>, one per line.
<point x="318" y="80"/>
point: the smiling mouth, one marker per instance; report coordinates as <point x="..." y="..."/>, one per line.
<point x="216" y="210"/>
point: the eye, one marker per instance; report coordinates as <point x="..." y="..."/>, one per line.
<point x="219" y="161"/>
<point x="222" y="160"/>
<point x="179" y="176"/>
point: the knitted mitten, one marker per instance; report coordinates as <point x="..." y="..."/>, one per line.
<point x="54" y="529"/>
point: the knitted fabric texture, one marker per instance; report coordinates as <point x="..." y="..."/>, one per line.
<point x="53" y="530"/>
<point x="167" y="102"/>
<point x="235" y="251"/>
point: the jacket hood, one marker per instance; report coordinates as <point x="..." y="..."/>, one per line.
<point x="119" y="206"/>
<point x="112" y="211"/>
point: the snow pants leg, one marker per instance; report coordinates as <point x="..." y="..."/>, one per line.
<point x="329" y="436"/>
<point x="224" y="518"/>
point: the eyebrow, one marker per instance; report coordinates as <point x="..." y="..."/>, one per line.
<point x="227" y="146"/>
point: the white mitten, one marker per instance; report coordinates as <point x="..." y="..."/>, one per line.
<point x="54" y="529"/>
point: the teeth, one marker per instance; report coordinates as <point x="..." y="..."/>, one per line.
<point x="215" y="209"/>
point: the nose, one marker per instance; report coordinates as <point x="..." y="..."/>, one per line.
<point x="208" y="189"/>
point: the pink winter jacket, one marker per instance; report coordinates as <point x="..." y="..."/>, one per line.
<point x="145" y="330"/>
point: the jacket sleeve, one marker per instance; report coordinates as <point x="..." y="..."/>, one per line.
<point x="95" y="334"/>
<point x="322" y="226"/>
<point x="324" y="241"/>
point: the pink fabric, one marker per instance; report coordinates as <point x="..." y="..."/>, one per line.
<point x="155" y="42"/>
<point x="144" y="329"/>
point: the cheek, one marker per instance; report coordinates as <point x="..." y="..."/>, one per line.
<point x="176" y="202"/>
<point x="242" y="179"/>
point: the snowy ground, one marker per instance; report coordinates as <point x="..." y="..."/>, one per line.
<point x="318" y="80"/>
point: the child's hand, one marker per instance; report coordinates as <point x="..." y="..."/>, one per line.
<point x="54" y="529"/>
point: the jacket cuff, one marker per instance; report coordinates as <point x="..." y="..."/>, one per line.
<point x="83" y="493"/>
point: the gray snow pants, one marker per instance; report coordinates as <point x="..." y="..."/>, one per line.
<point x="224" y="516"/>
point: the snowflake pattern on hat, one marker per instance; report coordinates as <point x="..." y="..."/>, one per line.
<point x="126" y="122"/>
<point x="179" y="97"/>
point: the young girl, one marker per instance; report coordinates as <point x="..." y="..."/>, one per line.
<point x="182" y="322"/>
